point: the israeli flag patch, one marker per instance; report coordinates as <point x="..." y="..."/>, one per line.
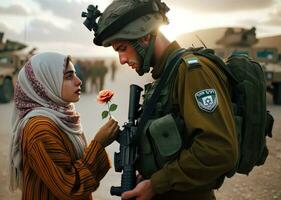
<point x="207" y="100"/>
<point x="192" y="61"/>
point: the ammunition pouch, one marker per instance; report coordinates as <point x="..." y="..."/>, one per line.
<point x="161" y="142"/>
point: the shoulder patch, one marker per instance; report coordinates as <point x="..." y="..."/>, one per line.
<point x="207" y="100"/>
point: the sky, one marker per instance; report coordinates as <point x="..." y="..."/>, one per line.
<point x="57" y="25"/>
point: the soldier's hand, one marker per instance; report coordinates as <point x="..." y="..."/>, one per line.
<point x="143" y="191"/>
<point x="139" y="178"/>
<point x="107" y="133"/>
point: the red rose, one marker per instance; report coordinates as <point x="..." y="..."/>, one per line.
<point x="104" y="96"/>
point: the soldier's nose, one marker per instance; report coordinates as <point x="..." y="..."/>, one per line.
<point x="123" y="60"/>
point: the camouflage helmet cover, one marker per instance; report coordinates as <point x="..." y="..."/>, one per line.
<point x="145" y="23"/>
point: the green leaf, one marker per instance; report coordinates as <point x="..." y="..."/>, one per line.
<point x="104" y="114"/>
<point x="112" y="107"/>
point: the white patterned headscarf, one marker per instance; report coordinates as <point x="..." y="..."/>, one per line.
<point x="38" y="93"/>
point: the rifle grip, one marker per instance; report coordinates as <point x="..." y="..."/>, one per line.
<point x="128" y="179"/>
<point x="128" y="182"/>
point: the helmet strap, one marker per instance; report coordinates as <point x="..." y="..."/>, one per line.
<point x="138" y="46"/>
<point x="144" y="53"/>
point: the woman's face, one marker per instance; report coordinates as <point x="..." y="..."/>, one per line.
<point x="71" y="89"/>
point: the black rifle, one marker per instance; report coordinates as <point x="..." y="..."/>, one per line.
<point x="126" y="158"/>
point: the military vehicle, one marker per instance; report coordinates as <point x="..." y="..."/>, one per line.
<point x="238" y="38"/>
<point x="12" y="56"/>
<point x="242" y="41"/>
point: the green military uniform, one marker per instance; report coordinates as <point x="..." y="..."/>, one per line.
<point x="200" y="168"/>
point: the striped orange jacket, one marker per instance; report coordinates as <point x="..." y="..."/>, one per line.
<point x="50" y="167"/>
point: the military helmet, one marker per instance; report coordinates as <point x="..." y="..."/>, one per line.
<point x="125" y="19"/>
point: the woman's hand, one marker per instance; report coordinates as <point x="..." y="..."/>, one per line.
<point x="107" y="133"/>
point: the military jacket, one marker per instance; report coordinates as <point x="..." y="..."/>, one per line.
<point x="201" y="92"/>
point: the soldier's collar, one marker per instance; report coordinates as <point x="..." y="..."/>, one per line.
<point x="159" y="66"/>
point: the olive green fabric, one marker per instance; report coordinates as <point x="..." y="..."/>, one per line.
<point x="166" y="136"/>
<point x="214" y="149"/>
<point x="197" y="195"/>
<point x="160" y="130"/>
<point x="251" y="112"/>
<point x="135" y="29"/>
<point x="132" y="20"/>
<point x="161" y="140"/>
<point x="253" y="122"/>
<point x="160" y="144"/>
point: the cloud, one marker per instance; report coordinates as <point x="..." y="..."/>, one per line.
<point x="76" y="40"/>
<point x="38" y="30"/>
<point x="44" y="32"/>
<point x="274" y="17"/>
<point x="9" y="33"/>
<point x="41" y="30"/>
<point x="219" y="5"/>
<point x="62" y="8"/>
<point x="273" y="22"/>
<point x="69" y="9"/>
<point x="248" y="22"/>
<point x="13" y="9"/>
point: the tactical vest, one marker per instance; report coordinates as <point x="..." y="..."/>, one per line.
<point x="161" y="139"/>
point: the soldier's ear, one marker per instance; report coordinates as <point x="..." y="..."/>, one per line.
<point x="145" y="39"/>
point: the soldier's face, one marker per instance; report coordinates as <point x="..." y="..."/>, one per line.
<point x="127" y="54"/>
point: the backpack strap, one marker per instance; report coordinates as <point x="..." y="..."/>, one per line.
<point x="208" y="53"/>
<point x="171" y="65"/>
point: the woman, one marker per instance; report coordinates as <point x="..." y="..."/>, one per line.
<point x="49" y="156"/>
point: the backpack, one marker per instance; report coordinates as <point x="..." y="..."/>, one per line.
<point x="248" y="95"/>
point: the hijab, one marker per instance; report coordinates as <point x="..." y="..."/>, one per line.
<point x="38" y="93"/>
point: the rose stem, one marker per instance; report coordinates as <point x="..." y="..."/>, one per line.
<point x="108" y="109"/>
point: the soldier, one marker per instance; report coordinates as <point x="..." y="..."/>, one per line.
<point x="198" y="95"/>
